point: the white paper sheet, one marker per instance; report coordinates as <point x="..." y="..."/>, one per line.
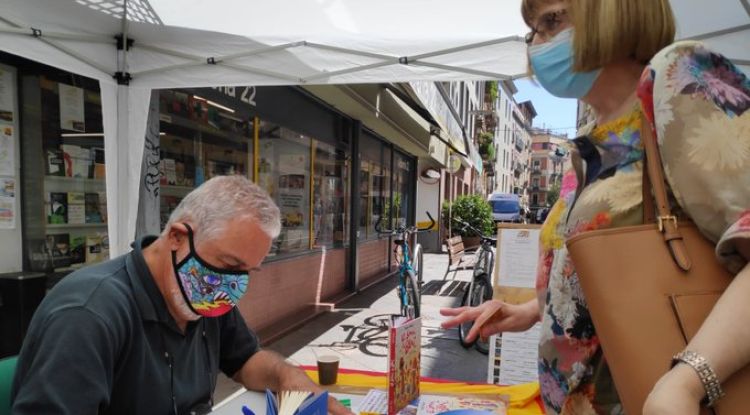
<point x="519" y="357"/>
<point x="71" y="108"/>
<point x="517" y="257"/>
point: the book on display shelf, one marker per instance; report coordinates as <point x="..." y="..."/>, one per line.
<point x="76" y="209"/>
<point x="57" y="208"/>
<point x="93" y="208"/>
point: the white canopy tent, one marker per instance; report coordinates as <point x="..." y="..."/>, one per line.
<point x="195" y="43"/>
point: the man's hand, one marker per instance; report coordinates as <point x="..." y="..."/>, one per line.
<point x="678" y="392"/>
<point x="493" y="317"/>
<point x="267" y="369"/>
<point x="294" y="378"/>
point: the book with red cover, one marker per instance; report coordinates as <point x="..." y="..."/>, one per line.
<point x="405" y="337"/>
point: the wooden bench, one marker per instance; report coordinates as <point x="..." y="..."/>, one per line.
<point x="458" y="258"/>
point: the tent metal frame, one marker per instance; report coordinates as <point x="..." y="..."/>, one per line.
<point x="124" y="76"/>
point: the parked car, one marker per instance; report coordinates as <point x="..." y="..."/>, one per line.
<point x="506" y="207"/>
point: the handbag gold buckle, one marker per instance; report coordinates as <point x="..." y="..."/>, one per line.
<point x="662" y="219"/>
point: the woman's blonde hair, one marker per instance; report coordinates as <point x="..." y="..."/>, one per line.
<point x="607" y="31"/>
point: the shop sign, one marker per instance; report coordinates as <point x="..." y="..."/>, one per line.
<point x="246" y="94"/>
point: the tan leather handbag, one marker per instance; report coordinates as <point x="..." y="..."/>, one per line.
<point x="649" y="288"/>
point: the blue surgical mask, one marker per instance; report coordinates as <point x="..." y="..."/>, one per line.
<point x="553" y="66"/>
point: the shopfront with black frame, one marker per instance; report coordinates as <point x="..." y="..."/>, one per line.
<point x="304" y="153"/>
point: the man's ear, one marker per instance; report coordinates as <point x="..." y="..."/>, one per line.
<point x="176" y="235"/>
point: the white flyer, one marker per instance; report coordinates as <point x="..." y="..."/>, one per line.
<point x="71" y="108"/>
<point x="7" y="150"/>
<point x="519" y="357"/>
<point x="7" y="203"/>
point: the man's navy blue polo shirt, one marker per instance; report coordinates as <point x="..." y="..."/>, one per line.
<point x="99" y="341"/>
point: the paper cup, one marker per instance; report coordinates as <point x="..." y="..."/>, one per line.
<point x="328" y="369"/>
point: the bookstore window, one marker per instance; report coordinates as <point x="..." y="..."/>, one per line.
<point x="330" y="196"/>
<point x="284" y="171"/>
<point x="401" y="201"/>
<point x="374" y="185"/>
<point x="73" y="231"/>
<point x="199" y="139"/>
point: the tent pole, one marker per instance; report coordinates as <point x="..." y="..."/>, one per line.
<point x="350" y="51"/>
<point x="54" y="35"/>
<point x="324" y="75"/>
<point x="263" y="72"/>
<point x="467" y="47"/>
<point x="746" y="5"/>
<point x="125" y="48"/>
<point x="259" y="51"/>
<point x="723" y="32"/>
<point x="489" y="75"/>
<point x="199" y="61"/>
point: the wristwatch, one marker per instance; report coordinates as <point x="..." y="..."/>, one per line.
<point x="705" y="373"/>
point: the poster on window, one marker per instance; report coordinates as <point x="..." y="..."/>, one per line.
<point x="7" y="150"/>
<point x="293" y="189"/>
<point x="6" y="95"/>
<point x="7" y="203"/>
<point x="71" y="108"/>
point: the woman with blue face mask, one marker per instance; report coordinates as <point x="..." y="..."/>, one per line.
<point x="618" y="57"/>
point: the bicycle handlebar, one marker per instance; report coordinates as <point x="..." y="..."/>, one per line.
<point x="410" y="229"/>
<point x="475" y="230"/>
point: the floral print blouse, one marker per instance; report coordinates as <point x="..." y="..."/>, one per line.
<point x="699" y="103"/>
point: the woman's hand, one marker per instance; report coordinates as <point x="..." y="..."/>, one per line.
<point x="493" y="317"/>
<point x="678" y="392"/>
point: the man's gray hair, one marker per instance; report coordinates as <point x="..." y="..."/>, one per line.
<point x="223" y="198"/>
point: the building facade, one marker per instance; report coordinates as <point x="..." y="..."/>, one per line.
<point x="550" y="159"/>
<point x="336" y="159"/>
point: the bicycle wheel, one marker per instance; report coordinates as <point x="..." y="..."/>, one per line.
<point x="412" y="295"/>
<point x="417" y="263"/>
<point x="478" y="292"/>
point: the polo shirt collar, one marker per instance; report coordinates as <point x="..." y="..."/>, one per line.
<point x="147" y="295"/>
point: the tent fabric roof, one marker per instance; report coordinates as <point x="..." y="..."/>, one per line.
<point x="181" y="43"/>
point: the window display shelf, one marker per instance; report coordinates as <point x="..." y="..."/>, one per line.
<point x="172" y="190"/>
<point x="65" y="179"/>
<point x="204" y="128"/>
<point x="75" y="225"/>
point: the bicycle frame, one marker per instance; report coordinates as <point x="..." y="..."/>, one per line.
<point x="404" y="265"/>
<point x="402" y="254"/>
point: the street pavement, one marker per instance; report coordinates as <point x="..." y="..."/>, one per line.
<point x="356" y="331"/>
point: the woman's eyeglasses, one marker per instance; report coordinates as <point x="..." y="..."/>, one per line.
<point x="548" y="25"/>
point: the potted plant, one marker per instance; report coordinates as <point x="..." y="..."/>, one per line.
<point x="475" y="211"/>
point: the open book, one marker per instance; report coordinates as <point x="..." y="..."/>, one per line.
<point x="296" y="403"/>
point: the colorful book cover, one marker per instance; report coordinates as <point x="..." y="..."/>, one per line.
<point x="296" y="403"/>
<point x="93" y="208"/>
<point x="76" y="210"/>
<point x="58" y="208"/>
<point x="437" y="404"/>
<point x="405" y="337"/>
<point x="77" y="249"/>
<point x="55" y="163"/>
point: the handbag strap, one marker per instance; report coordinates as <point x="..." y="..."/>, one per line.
<point x="653" y="173"/>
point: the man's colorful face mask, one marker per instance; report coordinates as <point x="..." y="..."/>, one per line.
<point x="208" y="290"/>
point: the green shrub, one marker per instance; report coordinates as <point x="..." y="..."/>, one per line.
<point x="473" y="210"/>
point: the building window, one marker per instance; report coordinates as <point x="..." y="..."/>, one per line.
<point x="375" y="184"/>
<point x="535" y="199"/>
<point x="65" y="222"/>
<point x="330" y="196"/>
<point x="284" y="167"/>
<point x="402" y="179"/>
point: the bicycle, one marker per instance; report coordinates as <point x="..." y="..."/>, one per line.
<point x="480" y="287"/>
<point x="408" y="283"/>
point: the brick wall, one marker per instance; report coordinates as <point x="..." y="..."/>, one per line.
<point x="283" y="288"/>
<point x="373" y="260"/>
